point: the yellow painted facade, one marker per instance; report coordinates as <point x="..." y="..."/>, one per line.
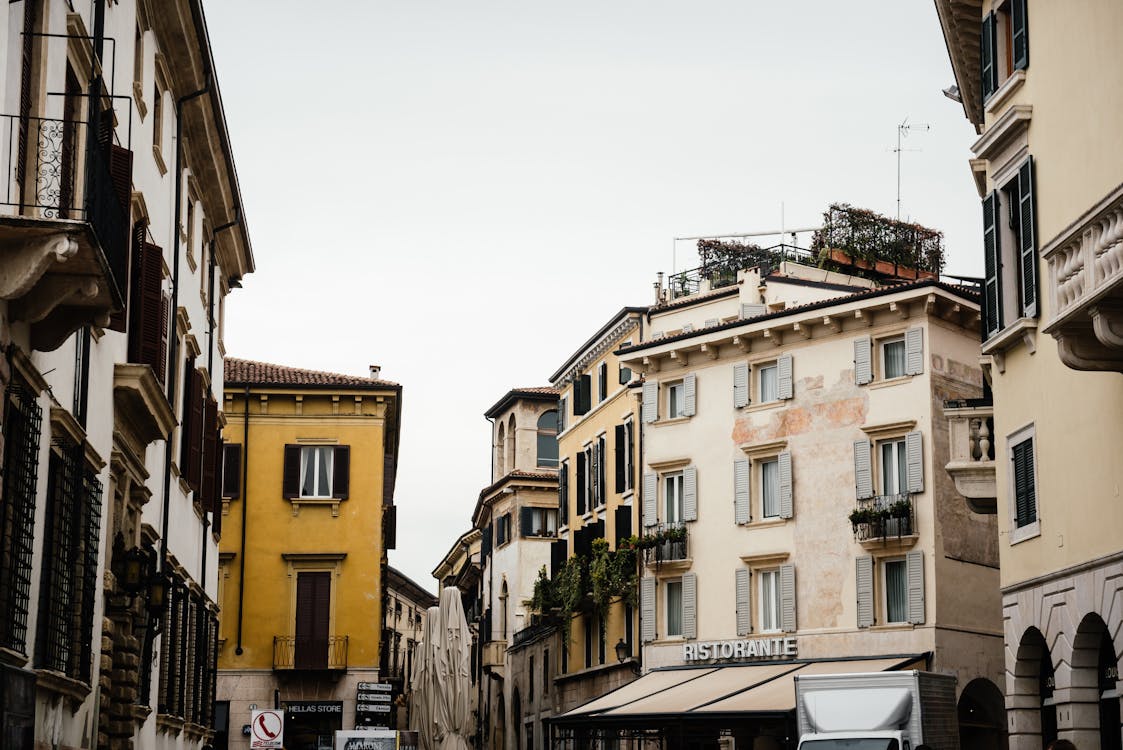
<point x="285" y="537"/>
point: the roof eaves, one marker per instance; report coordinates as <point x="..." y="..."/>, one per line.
<point x="612" y="322"/>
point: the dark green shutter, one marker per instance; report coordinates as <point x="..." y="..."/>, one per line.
<point x="582" y="394"/>
<point x="581" y="488"/>
<point x="1025" y="495"/>
<point x="989" y="59"/>
<point x="526" y="522"/>
<point x="563" y="493"/>
<point x="621" y="455"/>
<point x="1020" y="34"/>
<point x="341" y="472"/>
<point x="1027" y="239"/>
<point x="992" y="252"/>
<point x="290" y="482"/>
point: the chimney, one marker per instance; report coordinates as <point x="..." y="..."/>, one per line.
<point x="374" y="371"/>
<point x="659" y="289"/>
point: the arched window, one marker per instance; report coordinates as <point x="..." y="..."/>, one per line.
<point x="548" y="439"/>
<point x="503" y="608"/>
<point x="511" y="444"/>
<point x="500" y="451"/>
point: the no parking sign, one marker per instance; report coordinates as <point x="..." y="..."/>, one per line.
<point x="267" y="729"/>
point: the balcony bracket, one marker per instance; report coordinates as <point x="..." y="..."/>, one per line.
<point x="53" y="292"/>
<point x="25" y="261"/>
<point x="1080" y="348"/>
<point x="1107" y="322"/>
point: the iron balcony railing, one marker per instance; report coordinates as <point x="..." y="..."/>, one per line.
<point x="722" y="271"/>
<point x="884" y="516"/>
<point x="669" y="544"/>
<point x="292" y="653"/>
<point x="54" y="169"/>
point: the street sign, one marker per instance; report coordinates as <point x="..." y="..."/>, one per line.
<point x="372" y="708"/>
<point x="364" y="697"/>
<point x="383" y="687"/>
<point x="267" y="729"/>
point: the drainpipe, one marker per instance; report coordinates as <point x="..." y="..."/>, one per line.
<point x="639" y="521"/>
<point x="245" y="501"/>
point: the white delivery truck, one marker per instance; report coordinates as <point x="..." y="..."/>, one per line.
<point x="876" y="711"/>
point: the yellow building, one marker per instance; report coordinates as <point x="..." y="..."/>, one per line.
<point x="598" y="449"/>
<point x="1042" y="82"/>
<point x="308" y="491"/>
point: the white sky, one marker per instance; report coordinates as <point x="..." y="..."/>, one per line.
<point x="463" y="192"/>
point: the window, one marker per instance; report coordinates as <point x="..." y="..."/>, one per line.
<point x="157" y="117"/>
<point x="893" y="459"/>
<point x="313" y="619"/>
<point x="895" y="587"/>
<point x="893" y="357"/>
<point x="317" y="472"/>
<point x="769" y="600"/>
<point x="770" y="488"/>
<point x="599" y="470"/>
<point x="673" y="599"/>
<point x="138" y="60"/>
<point x="1010" y="252"/>
<point x="540" y="522"/>
<point x="231" y="470"/>
<point x="548" y="439"/>
<point x="768" y="383"/>
<point x="22" y="428"/>
<point x="676" y="400"/>
<point x="1024" y="484"/>
<point x="602" y="381"/>
<point x="582" y="394"/>
<point x="625" y="458"/>
<point x="672" y="499"/>
<point x="503" y="529"/>
<point x="1004" y="44"/>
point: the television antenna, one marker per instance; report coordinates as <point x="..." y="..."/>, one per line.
<point x="903" y="132"/>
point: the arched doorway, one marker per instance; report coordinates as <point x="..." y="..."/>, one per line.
<point x="1033" y="685"/>
<point x="982" y="716"/>
<point x="1095" y="665"/>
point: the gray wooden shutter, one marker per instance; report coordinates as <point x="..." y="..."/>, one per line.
<point x="689" y="605"/>
<point x="864" y="581"/>
<point x="992" y="254"/>
<point x="989" y="56"/>
<point x="914" y="562"/>
<point x="914" y="351"/>
<point x="740" y="385"/>
<point x="744" y="601"/>
<point x="784" y="376"/>
<point x="690" y="494"/>
<point x="563" y="404"/>
<point x="650" y="499"/>
<point x="787" y="598"/>
<point x="784" y="465"/>
<point x="914" y="445"/>
<point x="1019" y="34"/>
<point x="1027" y="238"/>
<point x="710" y="322"/>
<point x="650" y="401"/>
<point x="647" y="609"/>
<point x="863" y="469"/>
<point x="741" y="512"/>
<point x="863" y="360"/>
<point x="752" y="311"/>
<point x="689" y="391"/>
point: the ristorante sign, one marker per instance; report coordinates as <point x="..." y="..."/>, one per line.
<point x="748" y="648"/>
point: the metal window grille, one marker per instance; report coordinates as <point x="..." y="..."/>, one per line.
<point x="69" y="578"/>
<point x="23" y="421"/>
<point x="172" y="658"/>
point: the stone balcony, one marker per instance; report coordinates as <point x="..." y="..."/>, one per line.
<point x="1085" y="284"/>
<point x="971" y="452"/>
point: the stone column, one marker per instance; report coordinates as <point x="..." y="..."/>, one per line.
<point x="1078" y="705"/>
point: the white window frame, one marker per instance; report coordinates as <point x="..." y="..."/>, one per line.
<point x="330" y="479"/>
<point x="774" y="461"/>
<point x="759" y="369"/>
<point x="900" y="463"/>
<point x="883" y="582"/>
<point x="1030" y="530"/>
<point x="676" y="397"/>
<point x="765" y="607"/>
<point x="667" y="607"/>
<point x="672" y="479"/>
<point x="883" y="370"/>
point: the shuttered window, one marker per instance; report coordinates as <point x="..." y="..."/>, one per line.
<point x="1020" y="33"/>
<point x="317" y="471"/>
<point x="192" y="425"/>
<point x="863" y="360"/>
<point x="602" y="381"/>
<point x="740" y="385"/>
<point x="563" y="492"/>
<point x="992" y="267"/>
<point x="768" y="582"/>
<point x="1025" y="489"/>
<point x="784" y="389"/>
<point x="784" y="468"/>
<point x="650" y="401"/>
<point x="741" y="587"/>
<point x="988" y="44"/>
<point x="787" y="598"/>
<point x="313" y="617"/>
<point x="647" y="609"/>
<point x="601" y="469"/>
<point x="232" y="470"/>
<point x="582" y="476"/>
<point x="650" y="499"/>
<point x="914" y="562"/>
<point x="582" y="394"/>
<point x="895" y="583"/>
<point x="741" y="513"/>
<point x="690" y="494"/>
<point x="149" y="313"/>
<point x="673" y="605"/>
<point x="1027" y="243"/>
<point x="689" y="605"/>
<point x="914" y="351"/>
<point x="689" y="395"/>
<point x="863" y="470"/>
<point x="864" y="587"/>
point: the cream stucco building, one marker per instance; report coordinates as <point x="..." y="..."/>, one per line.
<point x="1043" y="84"/>
<point x="793" y="444"/>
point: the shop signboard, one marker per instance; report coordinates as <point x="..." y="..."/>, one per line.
<point x="741" y="649"/>
<point x="366" y="739"/>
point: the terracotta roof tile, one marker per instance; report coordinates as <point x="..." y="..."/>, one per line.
<point x="248" y="372"/>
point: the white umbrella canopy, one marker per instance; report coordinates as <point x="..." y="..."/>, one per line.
<point x="425" y="682"/>
<point x="452" y="714"/>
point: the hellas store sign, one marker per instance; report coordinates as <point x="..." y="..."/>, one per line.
<point x="748" y="648"/>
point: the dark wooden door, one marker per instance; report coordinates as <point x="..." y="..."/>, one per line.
<point x="313" y="613"/>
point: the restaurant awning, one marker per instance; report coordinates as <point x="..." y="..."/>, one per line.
<point x="709" y="692"/>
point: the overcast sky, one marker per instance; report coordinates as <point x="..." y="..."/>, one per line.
<point x="464" y="191"/>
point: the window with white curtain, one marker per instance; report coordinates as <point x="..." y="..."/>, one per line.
<point x="893" y="358"/>
<point x="770" y="488"/>
<point x="674" y="607"/>
<point x="769" y="600"/>
<point x="895" y="585"/>
<point x="893" y="457"/>
<point x="316" y="470"/>
<point x="769" y="386"/>
<point x="672" y="497"/>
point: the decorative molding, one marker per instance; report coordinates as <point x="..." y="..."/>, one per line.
<point x="1013" y="123"/>
<point x="604" y="344"/>
<point x="888" y="429"/>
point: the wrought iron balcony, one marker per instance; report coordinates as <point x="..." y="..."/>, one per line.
<point x="309" y="654"/>
<point x="1085" y="288"/>
<point x="884" y="517"/>
<point x="971" y="452"/>
<point x="64" y="219"/>
<point x="666" y="543"/>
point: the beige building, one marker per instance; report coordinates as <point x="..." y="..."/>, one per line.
<point x="461" y="568"/>
<point x="403" y="623"/>
<point x="121" y="235"/>
<point x="1043" y="84"/>
<point x="793" y="506"/>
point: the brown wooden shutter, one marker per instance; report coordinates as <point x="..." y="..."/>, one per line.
<point x="161" y="364"/>
<point x="313" y="611"/>
<point x="211" y="443"/>
<point x="149" y="318"/>
<point x="192" y="427"/>
<point x="121" y="172"/>
<point x="232" y="470"/>
<point x="341" y="472"/>
<point x="119" y="321"/>
<point x="290" y="479"/>
<point x="30" y="13"/>
<point x="219" y="464"/>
